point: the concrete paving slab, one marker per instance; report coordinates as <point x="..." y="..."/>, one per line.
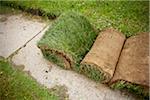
<point x="48" y="74"/>
<point x="15" y="31"/>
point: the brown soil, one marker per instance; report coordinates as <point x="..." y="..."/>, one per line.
<point x="66" y="60"/>
<point x="105" y="51"/>
<point x="133" y="63"/>
<point x="60" y="91"/>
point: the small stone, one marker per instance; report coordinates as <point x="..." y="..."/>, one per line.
<point x="46" y="71"/>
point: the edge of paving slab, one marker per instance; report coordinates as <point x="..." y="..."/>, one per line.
<point x="14" y="53"/>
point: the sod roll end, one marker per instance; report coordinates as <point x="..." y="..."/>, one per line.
<point x="56" y="56"/>
<point x="68" y="40"/>
<point x="132" y="71"/>
<point x="100" y="62"/>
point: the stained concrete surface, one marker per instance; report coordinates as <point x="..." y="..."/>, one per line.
<point x="46" y="73"/>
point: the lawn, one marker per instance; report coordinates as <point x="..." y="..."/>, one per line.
<point x="129" y="17"/>
<point x="16" y="85"/>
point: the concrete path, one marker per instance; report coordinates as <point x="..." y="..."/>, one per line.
<point x="15" y="31"/>
<point x="46" y="73"/>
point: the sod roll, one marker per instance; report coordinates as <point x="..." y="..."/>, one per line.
<point x="68" y="40"/>
<point x="132" y="71"/>
<point x="100" y="62"/>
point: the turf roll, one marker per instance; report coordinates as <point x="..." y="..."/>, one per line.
<point x="68" y="40"/>
<point x="132" y="71"/>
<point x="100" y="62"/>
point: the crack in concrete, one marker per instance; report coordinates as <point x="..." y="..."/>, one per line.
<point x="14" y="53"/>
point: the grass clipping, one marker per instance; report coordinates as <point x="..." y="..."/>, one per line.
<point x="132" y="72"/>
<point x="100" y="62"/>
<point x="68" y="40"/>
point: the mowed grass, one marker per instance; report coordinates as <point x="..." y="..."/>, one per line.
<point x="15" y="85"/>
<point x="129" y="17"/>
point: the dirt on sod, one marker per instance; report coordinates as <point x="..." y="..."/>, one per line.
<point x="132" y="71"/>
<point x="100" y="62"/>
<point x="68" y="40"/>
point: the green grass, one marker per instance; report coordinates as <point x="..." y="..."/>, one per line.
<point x="70" y="35"/>
<point x="128" y="17"/>
<point x="132" y="88"/>
<point x="92" y="72"/>
<point x="15" y="85"/>
<point x="53" y="57"/>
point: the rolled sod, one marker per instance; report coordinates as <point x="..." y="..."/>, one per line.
<point x="132" y="71"/>
<point x="68" y="40"/>
<point x="100" y="62"/>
